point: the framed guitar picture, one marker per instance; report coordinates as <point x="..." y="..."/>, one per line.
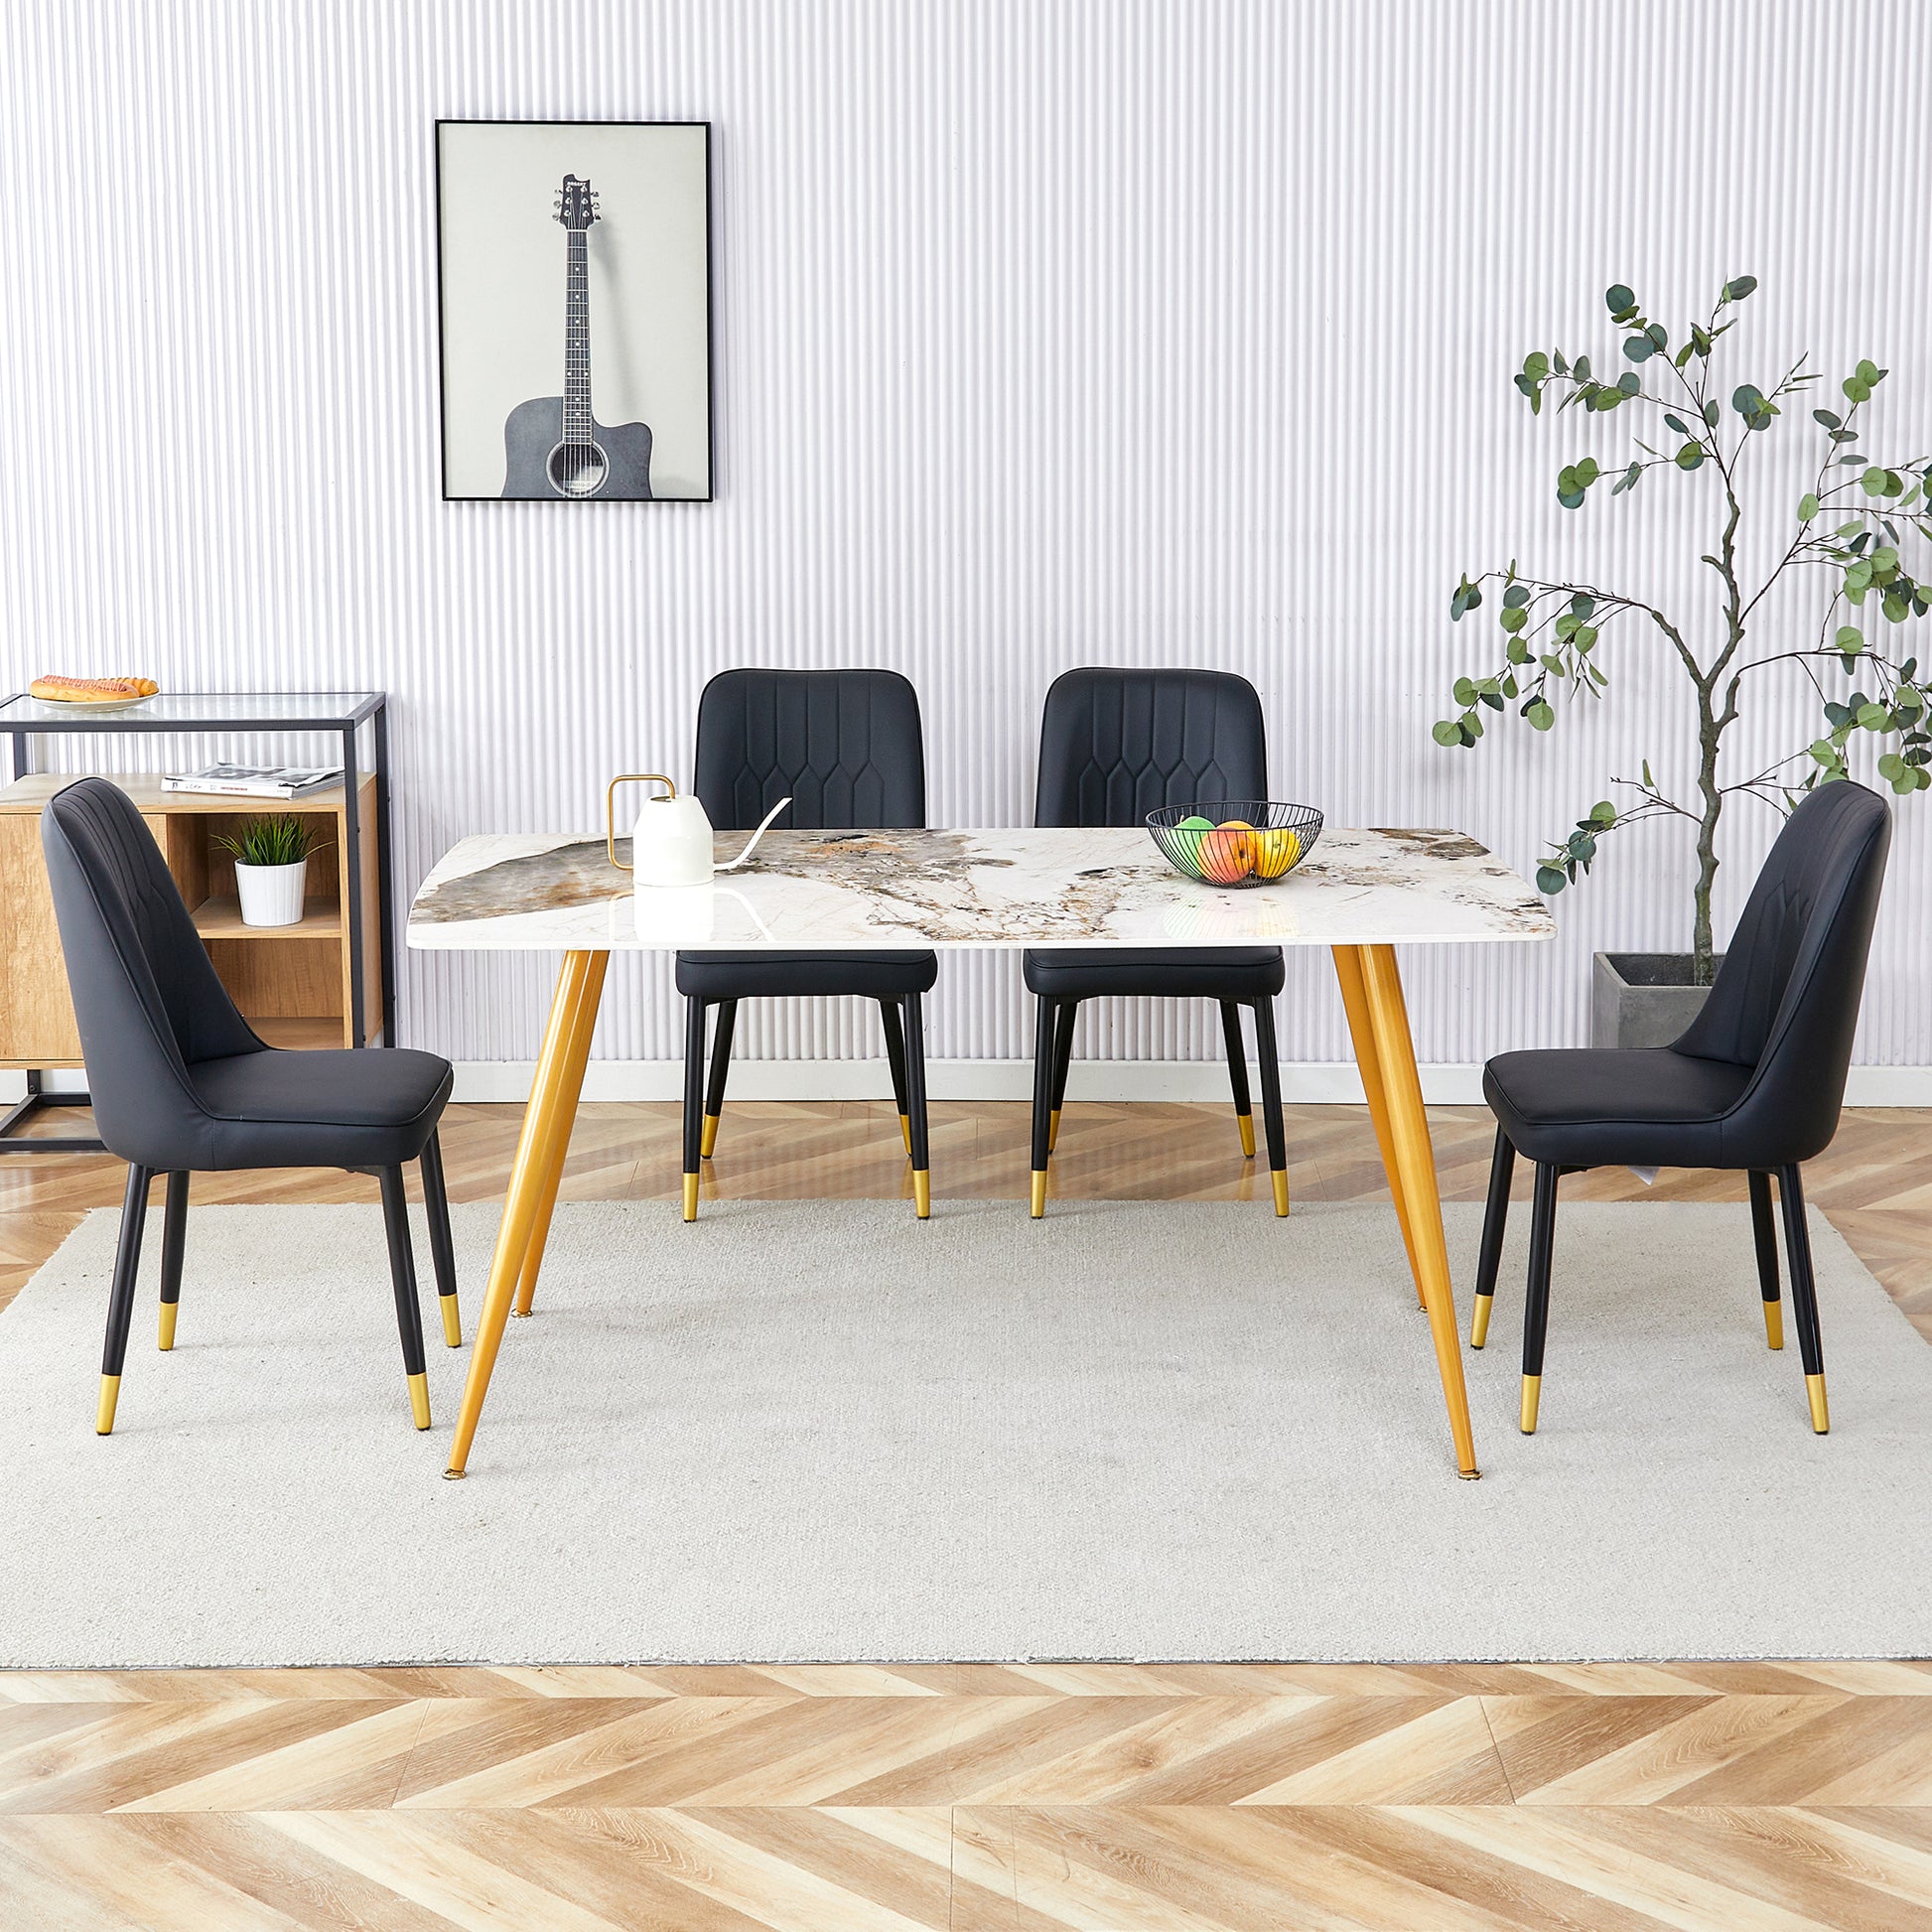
<point x="573" y="275"/>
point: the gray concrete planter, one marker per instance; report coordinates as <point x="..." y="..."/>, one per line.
<point x="1642" y="999"/>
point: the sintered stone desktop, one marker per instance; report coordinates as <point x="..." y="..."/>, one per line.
<point x="1360" y="893"/>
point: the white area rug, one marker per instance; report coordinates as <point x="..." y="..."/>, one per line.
<point x="821" y="1431"/>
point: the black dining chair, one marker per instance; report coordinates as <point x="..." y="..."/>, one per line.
<point x="1114" y="745"/>
<point x="1754" y="1082"/>
<point x="181" y="1084"/>
<point x="845" y="748"/>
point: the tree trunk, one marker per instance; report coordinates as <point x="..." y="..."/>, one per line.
<point x="1702" y="953"/>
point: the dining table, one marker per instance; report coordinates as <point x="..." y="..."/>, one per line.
<point x="1360" y="893"/>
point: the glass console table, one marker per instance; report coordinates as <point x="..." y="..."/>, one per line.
<point x="293" y="989"/>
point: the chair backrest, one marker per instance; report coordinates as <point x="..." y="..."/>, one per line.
<point x="845" y="746"/>
<point x="1116" y="745"/>
<point x="1786" y="997"/>
<point x="145" y="995"/>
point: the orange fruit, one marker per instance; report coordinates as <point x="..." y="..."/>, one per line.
<point x="1227" y="854"/>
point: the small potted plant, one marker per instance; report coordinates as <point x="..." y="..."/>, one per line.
<point x="271" y="868"/>
<point x="1856" y="527"/>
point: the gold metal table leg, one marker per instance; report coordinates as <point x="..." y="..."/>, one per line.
<point x="525" y="1197"/>
<point x="577" y="1058"/>
<point x="1415" y="1168"/>
<point x="1361" y="1032"/>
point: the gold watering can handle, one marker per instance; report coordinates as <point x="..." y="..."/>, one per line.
<point x="610" y="806"/>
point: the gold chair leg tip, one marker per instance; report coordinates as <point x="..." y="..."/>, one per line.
<point x="922" y="1192"/>
<point x="1471" y="1476"/>
<point x="1040" y="1195"/>
<point x="1479" y="1321"/>
<point x="1246" y="1123"/>
<point x="1532" y="1397"/>
<point x="1774" y="1324"/>
<point x="451" y="1321"/>
<point x="1281" y="1192"/>
<point x="1053" y="1130"/>
<point x="110" y="1395"/>
<point x="419" y="1400"/>
<point x="709" y="1139"/>
<point x="690" y="1198"/>
<point x="1821" y="1416"/>
<point x="168" y="1310"/>
<point x="453" y="1475"/>
<point x="906" y="1133"/>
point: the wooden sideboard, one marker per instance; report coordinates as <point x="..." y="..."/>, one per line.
<point x="293" y="983"/>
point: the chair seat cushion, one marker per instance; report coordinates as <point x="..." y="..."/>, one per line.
<point x="372" y="1108"/>
<point x="799" y="975"/>
<point x="1646" y="1107"/>
<point x="1156" y="972"/>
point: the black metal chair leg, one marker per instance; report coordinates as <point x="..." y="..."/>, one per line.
<point x="915" y="1010"/>
<point x="1271" y="1100"/>
<point x="1764" y="1233"/>
<point x="1536" y="1307"/>
<point x="1066" y="1013"/>
<point x="1244" y="1117"/>
<point x="1495" y="1219"/>
<point x="896" y="1059"/>
<point x="173" y="1242"/>
<point x="442" y="1250"/>
<point x="694" y="1016"/>
<point x="1043" y="1019"/>
<point x="1804" y="1293"/>
<point x="721" y="1061"/>
<point x="402" y="1273"/>
<point x="120" y="1300"/>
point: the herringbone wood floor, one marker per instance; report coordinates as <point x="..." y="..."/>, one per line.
<point x="1039" y="1797"/>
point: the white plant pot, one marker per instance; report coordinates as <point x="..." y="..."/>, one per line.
<point x="271" y="895"/>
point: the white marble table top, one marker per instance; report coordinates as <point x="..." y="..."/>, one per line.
<point x="958" y="889"/>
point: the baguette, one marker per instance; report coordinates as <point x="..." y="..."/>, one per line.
<point x="91" y="690"/>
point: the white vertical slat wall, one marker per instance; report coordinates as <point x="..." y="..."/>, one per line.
<point x="1048" y="331"/>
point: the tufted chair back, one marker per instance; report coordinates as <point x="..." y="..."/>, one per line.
<point x="1116" y="745"/>
<point x="845" y="746"/>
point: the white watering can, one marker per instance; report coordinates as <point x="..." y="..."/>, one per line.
<point x="670" y="845"/>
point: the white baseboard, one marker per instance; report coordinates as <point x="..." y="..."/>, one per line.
<point x="1449" y="1084"/>
<point x="1303" y="1082"/>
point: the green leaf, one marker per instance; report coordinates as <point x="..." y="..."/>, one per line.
<point x="1807" y="508"/>
<point x="1514" y="619"/>
<point x="1659" y="339"/>
<point x="1584" y="636"/>
<point x="1444" y="731"/>
<point x="1617" y="298"/>
<point x="1540" y="715"/>
<point x="1549" y="880"/>
<point x="1858" y="391"/>
<point x="1464" y="691"/>
<point x="1870" y="374"/>
<point x="1628" y="383"/>
<point x="1849" y="639"/>
<point x="1603" y="813"/>
<point x="1565" y="625"/>
<point x="1517" y="652"/>
<point x="1873" y="717"/>
<point x="1858" y="575"/>
<point x="1588" y="472"/>
<point x="1628" y="481"/>
<point x="1712" y="412"/>
<point x="1517" y="594"/>
<point x="1639" y="349"/>
<point x="1582" y="605"/>
<point x="1896" y="607"/>
<point x="1872" y="481"/>
<point x="1536" y="365"/>
<point x="1826" y="417"/>
<point x="1690" y="456"/>
<point x="1738" y="287"/>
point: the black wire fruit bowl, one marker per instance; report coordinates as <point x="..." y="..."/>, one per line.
<point x="1235" y="841"/>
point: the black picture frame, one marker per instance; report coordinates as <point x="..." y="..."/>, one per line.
<point x="444" y="321"/>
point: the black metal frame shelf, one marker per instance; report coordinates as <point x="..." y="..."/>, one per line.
<point x="23" y="717"/>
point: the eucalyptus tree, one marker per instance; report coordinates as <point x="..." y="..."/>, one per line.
<point x="1848" y="534"/>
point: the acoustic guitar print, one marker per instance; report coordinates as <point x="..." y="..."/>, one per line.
<point x="553" y="446"/>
